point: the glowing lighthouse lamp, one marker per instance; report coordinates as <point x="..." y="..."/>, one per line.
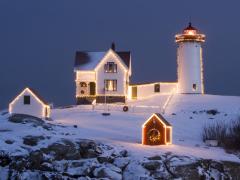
<point x="189" y="59"/>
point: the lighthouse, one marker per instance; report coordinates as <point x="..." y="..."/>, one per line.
<point x="189" y="60"/>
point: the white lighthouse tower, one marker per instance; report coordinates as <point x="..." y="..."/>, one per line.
<point x="189" y="59"/>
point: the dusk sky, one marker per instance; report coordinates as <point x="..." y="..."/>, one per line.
<point x="38" y="41"/>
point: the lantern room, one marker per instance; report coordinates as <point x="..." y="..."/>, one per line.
<point x="190" y="34"/>
<point x="156" y="131"/>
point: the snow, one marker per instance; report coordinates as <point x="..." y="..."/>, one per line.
<point x="186" y="113"/>
<point x="94" y="57"/>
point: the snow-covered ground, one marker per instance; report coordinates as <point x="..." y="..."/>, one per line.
<point x="123" y="129"/>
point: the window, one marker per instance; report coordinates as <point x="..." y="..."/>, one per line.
<point x="156" y="87"/>
<point x="110" y="85"/>
<point x="110" y="67"/>
<point x="194" y="86"/>
<point x="26" y="100"/>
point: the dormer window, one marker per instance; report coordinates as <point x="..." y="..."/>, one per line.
<point x="110" y="67"/>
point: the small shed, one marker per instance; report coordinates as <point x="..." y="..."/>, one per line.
<point x="30" y="103"/>
<point x="156" y="131"/>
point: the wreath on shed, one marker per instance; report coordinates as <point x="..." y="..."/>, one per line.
<point x="125" y="108"/>
<point x="154" y="135"/>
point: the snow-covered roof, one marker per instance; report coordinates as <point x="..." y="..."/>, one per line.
<point x="160" y="117"/>
<point x="34" y="93"/>
<point x="87" y="61"/>
<point x="38" y="96"/>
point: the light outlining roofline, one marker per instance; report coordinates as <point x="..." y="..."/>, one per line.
<point x="202" y="71"/>
<point x="39" y="100"/>
<point x="153" y="83"/>
<point x="143" y="136"/>
<point x="108" y="53"/>
<point x="116" y="95"/>
<point x="85" y="72"/>
<point x="144" y="124"/>
<point x="170" y="142"/>
<point x="190" y="38"/>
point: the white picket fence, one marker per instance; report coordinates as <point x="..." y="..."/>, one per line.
<point x="133" y="108"/>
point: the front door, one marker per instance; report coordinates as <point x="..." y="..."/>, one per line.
<point x="92" y="88"/>
<point x="134" y="92"/>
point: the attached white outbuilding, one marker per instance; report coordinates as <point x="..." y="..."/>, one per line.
<point x="28" y="102"/>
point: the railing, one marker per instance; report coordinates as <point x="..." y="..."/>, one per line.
<point x="168" y="101"/>
<point x="131" y="108"/>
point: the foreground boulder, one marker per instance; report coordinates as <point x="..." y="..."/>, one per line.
<point x="34" y="121"/>
<point x="104" y="172"/>
<point x="64" y="150"/>
<point x="32" y="140"/>
<point x="23" y="118"/>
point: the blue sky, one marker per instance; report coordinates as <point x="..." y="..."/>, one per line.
<point x="38" y="41"/>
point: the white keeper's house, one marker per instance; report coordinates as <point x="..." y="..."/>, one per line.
<point x="104" y="76"/>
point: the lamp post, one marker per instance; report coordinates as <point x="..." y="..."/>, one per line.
<point x="105" y="113"/>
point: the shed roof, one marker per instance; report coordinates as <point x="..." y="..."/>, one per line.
<point x="160" y="117"/>
<point x="38" y="96"/>
<point x="163" y="119"/>
<point x="88" y="60"/>
<point x="34" y="92"/>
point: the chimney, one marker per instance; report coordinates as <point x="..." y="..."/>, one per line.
<point x="113" y="46"/>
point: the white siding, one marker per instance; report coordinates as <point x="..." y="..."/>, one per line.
<point x="120" y="76"/>
<point x="79" y="89"/>
<point x="35" y="108"/>
<point x="88" y="76"/>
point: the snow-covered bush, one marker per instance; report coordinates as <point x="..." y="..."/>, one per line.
<point x="227" y="135"/>
<point x="232" y="141"/>
<point x="215" y="131"/>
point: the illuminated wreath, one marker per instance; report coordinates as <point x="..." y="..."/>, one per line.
<point x="154" y="135"/>
<point x="125" y="108"/>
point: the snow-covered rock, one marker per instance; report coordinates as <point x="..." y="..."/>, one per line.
<point x="103" y="172"/>
<point x="110" y="147"/>
<point x="121" y="162"/>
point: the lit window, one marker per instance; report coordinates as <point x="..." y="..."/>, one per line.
<point x="26" y="100"/>
<point x="194" y="87"/>
<point x="110" y="67"/>
<point x="156" y="87"/>
<point x="110" y="85"/>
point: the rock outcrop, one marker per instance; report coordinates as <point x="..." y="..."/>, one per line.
<point x="86" y="159"/>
